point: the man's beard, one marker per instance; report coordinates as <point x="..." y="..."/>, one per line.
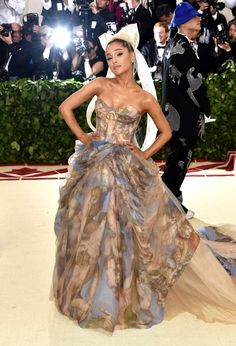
<point x="100" y="7"/>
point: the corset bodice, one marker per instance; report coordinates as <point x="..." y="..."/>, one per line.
<point x="116" y="125"/>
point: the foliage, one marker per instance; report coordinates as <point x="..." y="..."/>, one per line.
<point x="33" y="131"/>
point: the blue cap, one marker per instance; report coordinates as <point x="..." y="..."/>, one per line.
<point x="183" y="13"/>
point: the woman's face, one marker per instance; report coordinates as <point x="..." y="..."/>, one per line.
<point x="119" y="58"/>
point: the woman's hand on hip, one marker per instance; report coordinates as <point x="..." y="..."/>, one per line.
<point x="132" y="147"/>
<point x="87" y="138"/>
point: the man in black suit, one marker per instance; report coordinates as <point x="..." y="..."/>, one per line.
<point x="184" y="99"/>
<point x="18" y="53"/>
<point x="144" y="20"/>
<point x="153" y="50"/>
<point x="94" y="21"/>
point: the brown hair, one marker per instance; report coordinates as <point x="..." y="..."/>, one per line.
<point x="124" y="44"/>
<point x="162" y="25"/>
<point x="232" y="22"/>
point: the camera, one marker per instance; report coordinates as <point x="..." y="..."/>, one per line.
<point x="7" y="30"/>
<point x="111" y="27"/>
<point x="207" y="14"/>
<point x="218" y="5"/>
<point x="84" y="12"/>
<point x="82" y="46"/>
<point x="84" y="4"/>
<point x="128" y="16"/>
<point x="29" y="20"/>
<point x="221" y="34"/>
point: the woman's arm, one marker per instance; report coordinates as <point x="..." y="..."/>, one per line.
<point x="153" y="108"/>
<point x="76" y="60"/>
<point x="97" y="67"/>
<point x="74" y="101"/>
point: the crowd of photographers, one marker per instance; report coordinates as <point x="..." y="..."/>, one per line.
<point x="66" y="43"/>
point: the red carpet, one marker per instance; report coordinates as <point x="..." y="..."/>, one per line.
<point x="57" y="171"/>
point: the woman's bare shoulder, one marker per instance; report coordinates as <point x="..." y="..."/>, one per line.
<point x="148" y="96"/>
<point x="147" y="100"/>
<point x="100" y="84"/>
<point x="96" y="86"/>
<point x="99" y="81"/>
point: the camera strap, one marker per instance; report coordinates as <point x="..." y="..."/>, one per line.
<point x="6" y="66"/>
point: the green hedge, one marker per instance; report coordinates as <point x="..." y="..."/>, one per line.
<point x="32" y="130"/>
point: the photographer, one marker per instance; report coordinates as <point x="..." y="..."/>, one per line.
<point x="93" y="17"/>
<point x="44" y="56"/>
<point x="31" y="27"/>
<point x="11" y="11"/>
<point x="225" y="46"/>
<point x="215" y="17"/>
<point x="57" y="13"/>
<point x="53" y="54"/>
<point x="18" y="64"/>
<point x="144" y="20"/>
<point x="211" y="18"/>
<point x="86" y="62"/>
<point x="116" y="7"/>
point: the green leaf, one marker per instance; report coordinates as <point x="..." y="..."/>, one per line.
<point x="15" y="146"/>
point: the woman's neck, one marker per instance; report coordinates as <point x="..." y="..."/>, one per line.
<point x="125" y="80"/>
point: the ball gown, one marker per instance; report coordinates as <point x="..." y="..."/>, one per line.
<point x="126" y="255"/>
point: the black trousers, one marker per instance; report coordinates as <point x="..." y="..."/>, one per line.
<point x="177" y="164"/>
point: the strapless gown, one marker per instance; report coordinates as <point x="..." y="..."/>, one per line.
<point x="126" y="255"/>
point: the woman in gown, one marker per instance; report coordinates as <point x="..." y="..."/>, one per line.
<point x="123" y="242"/>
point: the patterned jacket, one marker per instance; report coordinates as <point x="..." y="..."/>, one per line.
<point x="184" y="96"/>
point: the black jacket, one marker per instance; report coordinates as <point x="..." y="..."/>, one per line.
<point x="20" y="64"/>
<point x="43" y="68"/>
<point x="53" y="17"/>
<point x="145" y="25"/>
<point x="93" y="25"/>
<point x="150" y="53"/>
<point x="3" y="53"/>
<point x="184" y="95"/>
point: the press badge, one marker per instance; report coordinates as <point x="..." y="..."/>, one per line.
<point x="59" y="6"/>
<point x="93" y="24"/>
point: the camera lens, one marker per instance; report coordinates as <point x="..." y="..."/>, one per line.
<point x="88" y="49"/>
